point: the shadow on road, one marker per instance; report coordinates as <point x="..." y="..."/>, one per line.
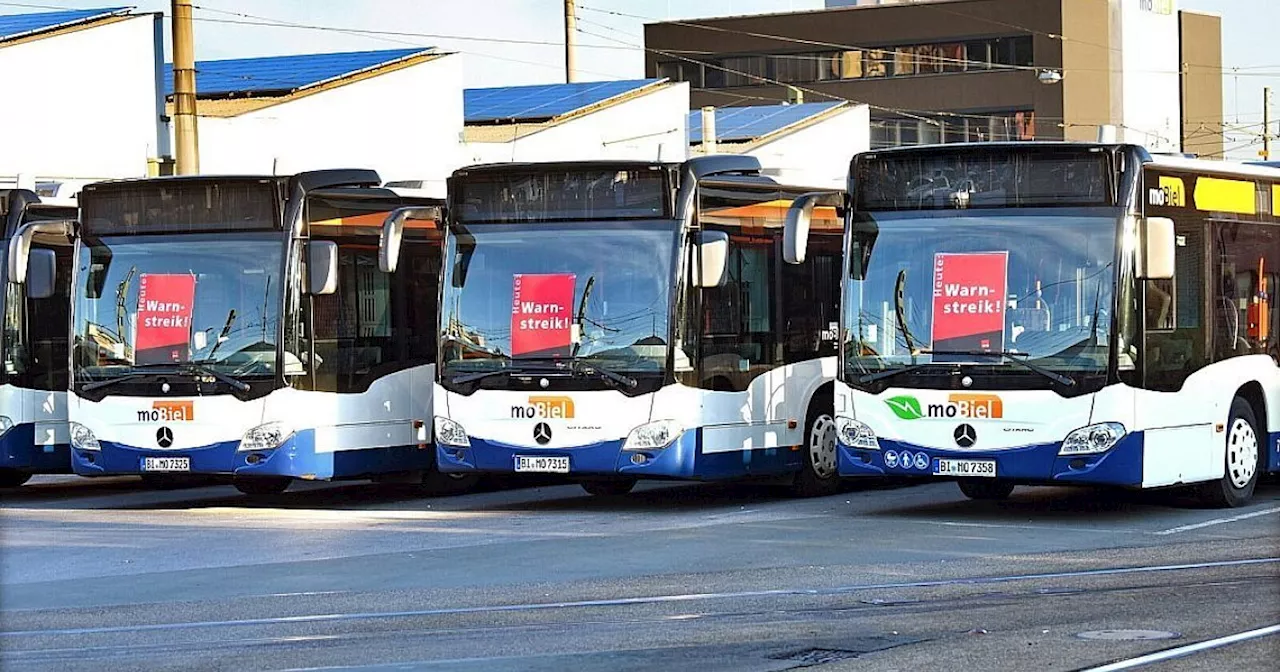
<point x="1058" y="504"/>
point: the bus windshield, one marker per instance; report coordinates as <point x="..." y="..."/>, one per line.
<point x="163" y="301"/>
<point x="598" y="291"/>
<point x="949" y="286"/>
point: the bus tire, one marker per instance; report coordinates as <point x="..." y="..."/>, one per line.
<point x="263" y="485"/>
<point x="12" y="478"/>
<point x="1242" y="458"/>
<point x="819" y="473"/>
<point x="608" y="488"/>
<point x="438" y="484"/>
<point x="985" y="489"/>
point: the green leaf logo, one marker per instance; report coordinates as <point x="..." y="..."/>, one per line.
<point x="907" y="408"/>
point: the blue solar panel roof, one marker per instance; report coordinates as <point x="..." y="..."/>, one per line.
<point x="542" y="101"/>
<point x="282" y="73"/>
<point x="13" y="25"/>
<point x="743" y="124"/>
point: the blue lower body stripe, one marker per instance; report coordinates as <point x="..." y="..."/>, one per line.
<point x="682" y="460"/>
<point x="1122" y="465"/>
<point x="18" y="450"/>
<point x="296" y="458"/>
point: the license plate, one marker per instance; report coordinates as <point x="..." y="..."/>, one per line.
<point x="544" y="465"/>
<point x="166" y="464"/>
<point x="966" y="468"/>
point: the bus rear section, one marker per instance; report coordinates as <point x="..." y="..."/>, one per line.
<point x="1060" y="313"/>
<point x="613" y="322"/>
<point x="34" y="280"/>
<point x="257" y="329"/>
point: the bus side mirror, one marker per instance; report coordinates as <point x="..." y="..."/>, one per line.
<point x="393" y="233"/>
<point x="1159" y="249"/>
<point x="795" y="233"/>
<point x="19" y="250"/>
<point x="322" y="267"/>
<point x="42" y="274"/>
<point x="712" y="258"/>
<point x="20" y="246"/>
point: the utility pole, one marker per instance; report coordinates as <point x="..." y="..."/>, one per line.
<point x="187" y="145"/>
<point x="570" y="39"/>
<point x="1266" y="123"/>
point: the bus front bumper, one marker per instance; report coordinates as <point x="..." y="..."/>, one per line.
<point x="683" y="459"/>
<point x="1039" y="463"/>
<point x="295" y="458"/>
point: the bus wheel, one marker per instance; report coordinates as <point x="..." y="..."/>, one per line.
<point x="264" y="485"/>
<point x="439" y="483"/>
<point x="12" y="478"/>
<point x="609" y="488"/>
<point x="1235" y="488"/>
<point x="975" y="488"/>
<point x="818" y="473"/>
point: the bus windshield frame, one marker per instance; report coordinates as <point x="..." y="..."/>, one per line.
<point x="622" y="310"/>
<point x="226" y="335"/>
<point x="1002" y="233"/>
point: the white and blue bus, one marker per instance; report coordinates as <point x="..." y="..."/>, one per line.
<point x="616" y="321"/>
<point x="33" y="336"/>
<point x="264" y="329"/>
<point x="1059" y="313"/>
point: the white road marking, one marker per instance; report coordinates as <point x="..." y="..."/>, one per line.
<point x="1187" y="650"/>
<point x="1219" y="521"/>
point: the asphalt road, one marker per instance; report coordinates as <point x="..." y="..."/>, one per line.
<point x="105" y="575"/>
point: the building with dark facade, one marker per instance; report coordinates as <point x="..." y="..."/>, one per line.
<point x="956" y="70"/>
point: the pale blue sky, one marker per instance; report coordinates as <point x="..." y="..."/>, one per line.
<point x="612" y="50"/>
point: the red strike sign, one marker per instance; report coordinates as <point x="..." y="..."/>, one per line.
<point x="541" y="314"/>
<point x="969" y="300"/>
<point x="164" y="318"/>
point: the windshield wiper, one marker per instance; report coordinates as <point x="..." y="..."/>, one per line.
<point x="573" y="366"/>
<point x="151" y="370"/>
<point x="1019" y="358"/>
<point x="595" y="369"/>
<point x="465" y="378"/>
<point x="890" y="373"/>
<point x="201" y="367"/>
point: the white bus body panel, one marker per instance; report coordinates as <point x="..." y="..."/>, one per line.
<point x="1179" y="436"/>
<point x="591" y="426"/>
<point x="331" y="435"/>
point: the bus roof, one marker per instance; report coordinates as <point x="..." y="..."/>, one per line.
<point x="1237" y="168"/>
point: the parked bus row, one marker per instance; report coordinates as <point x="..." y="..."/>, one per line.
<point x="999" y="314"/>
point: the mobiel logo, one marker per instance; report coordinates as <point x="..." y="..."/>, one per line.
<point x="558" y="408"/>
<point x="977" y="406"/>
<point x="168" y="411"/>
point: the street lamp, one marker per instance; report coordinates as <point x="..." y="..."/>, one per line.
<point x="1049" y="76"/>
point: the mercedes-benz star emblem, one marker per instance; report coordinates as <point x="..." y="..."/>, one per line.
<point x="542" y="433"/>
<point x="164" y="437"/>
<point x="965" y="436"/>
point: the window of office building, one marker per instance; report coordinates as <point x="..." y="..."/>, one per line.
<point x="905" y="60"/>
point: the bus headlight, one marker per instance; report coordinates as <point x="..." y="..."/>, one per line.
<point x="450" y="433"/>
<point x="5" y="425"/>
<point x="653" y="435"/>
<point x="82" y="437"/>
<point x="856" y="434"/>
<point x="1092" y="439"/>
<point x="267" y="436"/>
